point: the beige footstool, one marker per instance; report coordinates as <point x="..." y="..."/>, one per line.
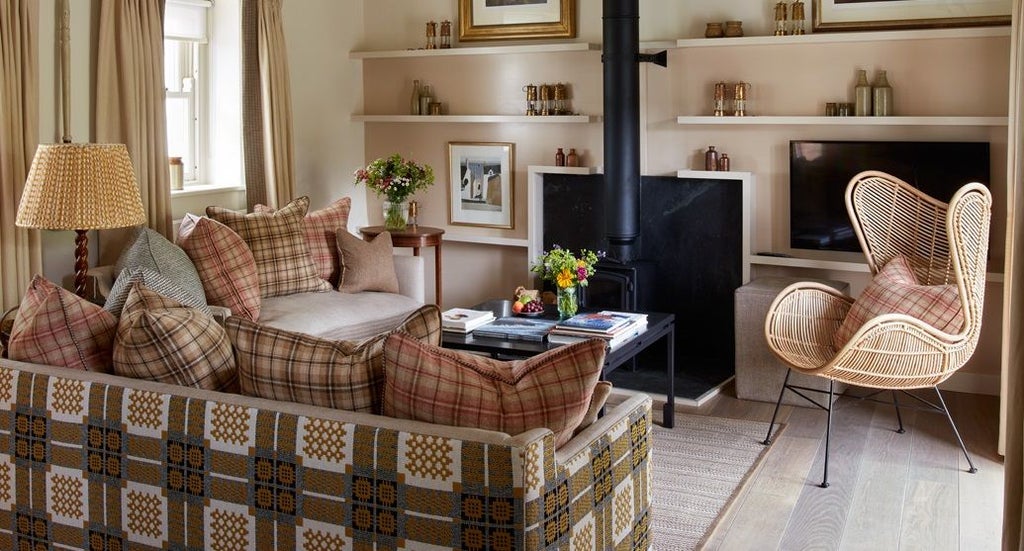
<point x="759" y="374"/>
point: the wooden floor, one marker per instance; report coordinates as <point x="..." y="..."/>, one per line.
<point x="888" y="490"/>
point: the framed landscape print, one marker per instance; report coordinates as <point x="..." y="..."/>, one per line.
<point x="508" y="19"/>
<point x="481" y="184"/>
<point x="862" y="15"/>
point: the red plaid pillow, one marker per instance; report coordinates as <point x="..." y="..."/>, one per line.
<point x="321" y="227"/>
<point x="895" y="291"/>
<point x="278" y="245"/>
<point x="159" y="339"/>
<point x="56" y="327"/>
<point x="436" y="385"/>
<point x="224" y="263"/>
<point x="282" y="365"/>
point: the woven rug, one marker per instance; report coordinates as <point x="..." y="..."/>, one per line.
<point x="699" y="467"/>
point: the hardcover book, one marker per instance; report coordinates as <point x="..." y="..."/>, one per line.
<point x="606" y="322"/>
<point x="512" y="327"/>
<point x="464" y="320"/>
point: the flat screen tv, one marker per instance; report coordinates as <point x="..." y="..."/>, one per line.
<point x="820" y="170"/>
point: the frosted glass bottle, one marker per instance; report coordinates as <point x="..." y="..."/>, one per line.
<point x="414" y="104"/>
<point x="862" y="95"/>
<point x="882" y="96"/>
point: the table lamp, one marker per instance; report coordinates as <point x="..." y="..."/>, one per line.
<point x="80" y="187"/>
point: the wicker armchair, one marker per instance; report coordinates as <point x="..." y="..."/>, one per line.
<point x="945" y="244"/>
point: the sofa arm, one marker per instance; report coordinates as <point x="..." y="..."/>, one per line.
<point x="411" y="282"/>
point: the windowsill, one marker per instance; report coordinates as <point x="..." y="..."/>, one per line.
<point x="204" y="190"/>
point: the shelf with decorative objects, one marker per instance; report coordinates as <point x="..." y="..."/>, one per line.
<point x="829" y="38"/>
<point x="841" y="121"/>
<point x="539" y="119"/>
<point x="480" y="50"/>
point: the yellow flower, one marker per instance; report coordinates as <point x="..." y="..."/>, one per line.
<point x="565" y="279"/>
<point x="581" y="264"/>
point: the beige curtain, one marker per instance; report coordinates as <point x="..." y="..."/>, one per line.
<point x="20" y="250"/>
<point x="1012" y="407"/>
<point x="266" y="106"/>
<point x="130" y="105"/>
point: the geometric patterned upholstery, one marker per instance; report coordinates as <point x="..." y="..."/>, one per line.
<point x="92" y="460"/>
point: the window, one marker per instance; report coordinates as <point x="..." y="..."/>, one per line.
<point x="185" y="71"/>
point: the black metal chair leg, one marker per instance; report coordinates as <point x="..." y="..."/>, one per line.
<point x="768" y="437"/>
<point x="828" y="434"/>
<point x="896" y="403"/>
<point x="949" y="417"/>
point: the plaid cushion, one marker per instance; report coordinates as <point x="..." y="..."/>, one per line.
<point x="282" y="365"/>
<point x="57" y="327"/>
<point x="278" y="245"/>
<point x="554" y="389"/>
<point x="161" y="340"/>
<point x="156" y="281"/>
<point x="366" y="266"/>
<point x="224" y="263"/>
<point x="151" y="250"/>
<point x="321" y="227"/>
<point x="895" y="291"/>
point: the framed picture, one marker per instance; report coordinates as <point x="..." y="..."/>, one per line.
<point x="481" y="184"/>
<point x="506" y="19"/>
<point x="863" y="15"/>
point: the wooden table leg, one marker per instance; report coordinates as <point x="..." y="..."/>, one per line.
<point x="437" y="273"/>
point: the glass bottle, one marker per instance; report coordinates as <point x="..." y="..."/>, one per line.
<point x="882" y="95"/>
<point x="723" y="163"/>
<point x="414" y="103"/>
<point x="711" y="158"/>
<point x="572" y="159"/>
<point x="862" y="95"/>
<point x="425" y="98"/>
<point x="559" y="157"/>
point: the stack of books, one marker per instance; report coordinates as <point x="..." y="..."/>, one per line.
<point x="516" y="328"/>
<point x="464" y="320"/>
<point x="614" y="327"/>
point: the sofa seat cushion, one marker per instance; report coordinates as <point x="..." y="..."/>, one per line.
<point x="337" y="316"/>
<point x="284" y="365"/>
<point x="552" y="390"/>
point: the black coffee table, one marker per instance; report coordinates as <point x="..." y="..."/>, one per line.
<point x="660" y="326"/>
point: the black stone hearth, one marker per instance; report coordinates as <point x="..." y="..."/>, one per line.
<point x="691" y="236"/>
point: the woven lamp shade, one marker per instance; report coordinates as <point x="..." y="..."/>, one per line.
<point x="80" y="186"/>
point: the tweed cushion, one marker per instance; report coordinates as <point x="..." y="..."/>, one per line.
<point x="224" y="263"/>
<point x="54" y="326"/>
<point x="281" y="365"/>
<point x="366" y="266"/>
<point x="278" y="244"/>
<point x="321" y="227"/>
<point x="554" y="389"/>
<point x="149" y="249"/>
<point x="161" y="340"/>
<point x="895" y="291"/>
<point x="156" y="281"/>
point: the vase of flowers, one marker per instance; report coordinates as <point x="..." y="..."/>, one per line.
<point x="567" y="271"/>
<point x="395" y="179"/>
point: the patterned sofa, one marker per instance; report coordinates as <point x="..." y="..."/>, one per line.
<point x="97" y="461"/>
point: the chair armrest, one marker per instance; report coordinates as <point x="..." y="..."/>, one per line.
<point x="411" y="281"/>
<point x="802" y="321"/>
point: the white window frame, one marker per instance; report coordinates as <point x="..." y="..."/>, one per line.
<point x="191" y="62"/>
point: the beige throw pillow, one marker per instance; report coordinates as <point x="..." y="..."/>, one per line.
<point x="366" y="265"/>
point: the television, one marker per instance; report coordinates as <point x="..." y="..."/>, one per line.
<point x="820" y="170"/>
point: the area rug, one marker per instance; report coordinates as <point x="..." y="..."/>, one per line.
<point x="699" y="467"/>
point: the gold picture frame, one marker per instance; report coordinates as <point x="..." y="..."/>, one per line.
<point x="512" y="19"/>
<point x="481" y="184"/>
<point x="880" y="15"/>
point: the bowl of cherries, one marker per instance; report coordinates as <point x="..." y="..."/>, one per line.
<point x="528" y="305"/>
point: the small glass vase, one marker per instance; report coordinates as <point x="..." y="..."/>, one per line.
<point x="567" y="303"/>
<point x="396" y="215"/>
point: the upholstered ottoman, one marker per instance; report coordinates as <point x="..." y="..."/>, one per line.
<point x="759" y="374"/>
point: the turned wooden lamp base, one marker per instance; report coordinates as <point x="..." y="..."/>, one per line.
<point x="81" y="261"/>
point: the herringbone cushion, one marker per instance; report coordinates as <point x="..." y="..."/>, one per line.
<point x="224" y="263"/>
<point x="366" y="266"/>
<point x="160" y="339"/>
<point x="156" y="281"/>
<point x="321" y="227"/>
<point x="148" y="249"/>
<point x="56" y="327"/>
<point x="278" y="244"/>
<point x="282" y="365"/>
<point x="424" y="382"/>
<point x="895" y="291"/>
